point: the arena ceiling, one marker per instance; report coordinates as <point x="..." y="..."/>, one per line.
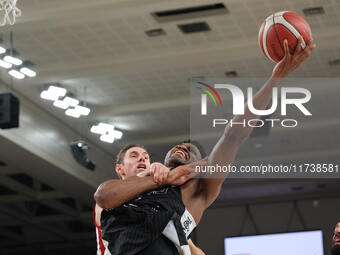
<point x="100" y="52"/>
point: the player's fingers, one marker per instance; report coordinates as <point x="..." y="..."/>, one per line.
<point x="286" y="48"/>
<point x="299" y="48"/>
<point x="310" y="47"/>
<point x="164" y="176"/>
<point x="306" y="53"/>
<point x="157" y="176"/>
<point x="152" y="170"/>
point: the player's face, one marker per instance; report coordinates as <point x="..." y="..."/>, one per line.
<point x="336" y="240"/>
<point x="136" y="160"/>
<point x="336" y="236"/>
<point x="182" y="154"/>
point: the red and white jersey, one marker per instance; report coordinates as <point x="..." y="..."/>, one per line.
<point x="101" y="244"/>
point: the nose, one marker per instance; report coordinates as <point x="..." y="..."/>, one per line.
<point x="141" y="158"/>
<point x="182" y="147"/>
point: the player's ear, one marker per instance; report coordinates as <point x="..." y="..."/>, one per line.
<point x="120" y="170"/>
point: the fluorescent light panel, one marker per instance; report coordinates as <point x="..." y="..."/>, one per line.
<point x="28" y="72"/>
<point x="71" y="101"/>
<point x="82" y="110"/>
<point x="61" y="104"/>
<point x="2" y="50"/>
<point x="5" y="64"/>
<point x="107" y="132"/>
<point x="96" y="130"/>
<point x="57" y="91"/>
<point x="102" y="128"/>
<point x="48" y="96"/>
<point x="72" y="113"/>
<point x="107" y="138"/>
<point x="116" y="134"/>
<point x="13" y="60"/>
<point x="16" y="74"/>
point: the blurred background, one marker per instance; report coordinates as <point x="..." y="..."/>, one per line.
<point x="130" y="63"/>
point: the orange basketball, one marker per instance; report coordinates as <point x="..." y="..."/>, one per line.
<point x="282" y="26"/>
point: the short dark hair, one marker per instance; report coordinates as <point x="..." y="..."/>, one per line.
<point x="121" y="153"/>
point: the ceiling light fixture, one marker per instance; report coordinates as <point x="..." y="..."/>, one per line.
<point x="57" y="90"/>
<point x="9" y="57"/>
<point x="28" y="72"/>
<point x="107" y="132"/>
<point x="117" y="134"/>
<point x="61" y="104"/>
<point x="48" y="96"/>
<point x="2" y="50"/>
<point x="16" y="74"/>
<point x="13" y="60"/>
<point x="107" y="138"/>
<point x="82" y="110"/>
<point x="53" y="93"/>
<point x="71" y="101"/>
<point x="101" y="128"/>
<point x="72" y="113"/>
<point x="5" y="64"/>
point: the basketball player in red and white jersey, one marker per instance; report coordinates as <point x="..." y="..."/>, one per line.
<point x="96" y="220"/>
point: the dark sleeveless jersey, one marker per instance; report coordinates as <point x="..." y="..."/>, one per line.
<point x="145" y="221"/>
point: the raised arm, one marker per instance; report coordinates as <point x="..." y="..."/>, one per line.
<point x="228" y="145"/>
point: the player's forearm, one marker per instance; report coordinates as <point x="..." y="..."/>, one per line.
<point x="235" y="134"/>
<point x="114" y="193"/>
<point x="225" y="150"/>
<point x="260" y="101"/>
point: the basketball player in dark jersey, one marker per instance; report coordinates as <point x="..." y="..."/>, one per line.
<point x="196" y="195"/>
<point x="336" y="240"/>
<point x="132" y="160"/>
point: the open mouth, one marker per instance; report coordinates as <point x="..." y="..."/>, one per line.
<point x="182" y="154"/>
<point x="141" y="167"/>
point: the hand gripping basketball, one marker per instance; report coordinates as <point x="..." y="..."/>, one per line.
<point x="292" y="61"/>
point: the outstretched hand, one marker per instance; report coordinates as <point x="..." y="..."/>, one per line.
<point x="292" y="61"/>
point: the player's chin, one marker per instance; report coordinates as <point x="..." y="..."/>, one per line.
<point x="335" y="249"/>
<point x="176" y="160"/>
